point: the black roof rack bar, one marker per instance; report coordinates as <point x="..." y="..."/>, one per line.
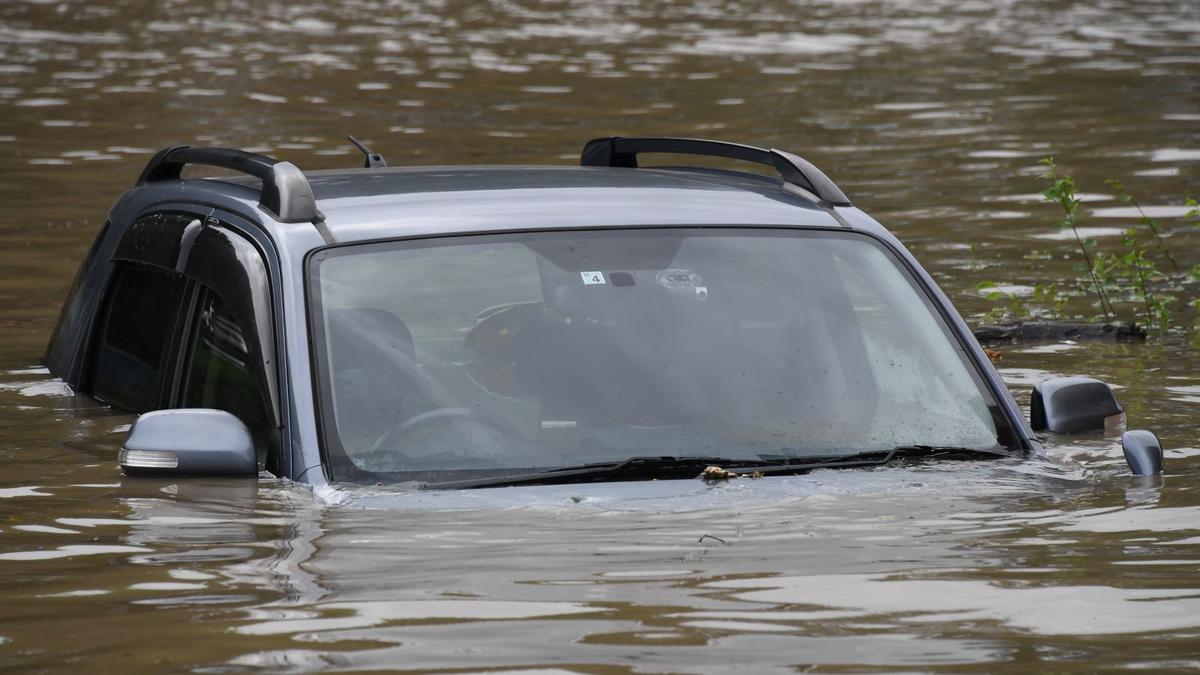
<point x="286" y="193"/>
<point x="623" y="152"/>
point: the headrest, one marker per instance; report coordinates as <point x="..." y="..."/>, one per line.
<point x="369" y="325"/>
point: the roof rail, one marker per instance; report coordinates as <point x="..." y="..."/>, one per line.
<point x="618" y="151"/>
<point x="286" y="193"/>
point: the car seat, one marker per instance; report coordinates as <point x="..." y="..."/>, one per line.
<point x="374" y="373"/>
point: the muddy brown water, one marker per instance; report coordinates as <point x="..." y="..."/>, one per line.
<point x="932" y="115"/>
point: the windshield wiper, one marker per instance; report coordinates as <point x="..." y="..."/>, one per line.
<point x="633" y="468"/>
<point x="950" y="452"/>
<point x="667" y="468"/>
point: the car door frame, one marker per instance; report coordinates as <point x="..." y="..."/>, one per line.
<point x="147" y="244"/>
<point x="172" y="251"/>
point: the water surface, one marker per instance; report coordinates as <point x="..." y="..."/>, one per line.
<point x="931" y="115"/>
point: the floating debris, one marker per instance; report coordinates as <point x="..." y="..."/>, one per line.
<point x="716" y="473"/>
<point x="1049" y="331"/>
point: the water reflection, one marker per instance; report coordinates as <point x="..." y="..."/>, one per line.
<point x="527" y="578"/>
<point x="1056" y="610"/>
<point x="585" y="579"/>
<point x="930" y="114"/>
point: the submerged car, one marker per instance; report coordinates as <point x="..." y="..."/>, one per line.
<point x="503" y="325"/>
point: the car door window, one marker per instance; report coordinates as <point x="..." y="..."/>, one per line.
<point x="221" y="371"/>
<point x="135" y="331"/>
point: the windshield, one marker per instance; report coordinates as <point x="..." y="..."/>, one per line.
<point x="461" y="357"/>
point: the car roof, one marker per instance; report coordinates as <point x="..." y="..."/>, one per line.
<point x="379" y="203"/>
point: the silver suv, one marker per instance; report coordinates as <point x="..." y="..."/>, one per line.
<point x="488" y="326"/>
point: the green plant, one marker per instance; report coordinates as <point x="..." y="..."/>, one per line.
<point x="1133" y="270"/>
<point x="1015" y="303"/>
<point x="1129" y="273"/>
<point x="1062" y="192"/>
<point x="1125" y="197"/>
<point x="1048" y="301"/>
<point x="975" y="264"/>
<point x="1050" y="295"/>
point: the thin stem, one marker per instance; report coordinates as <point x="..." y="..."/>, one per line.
<point x="1104" y="302"/>
<point x="1162" y="245"/>
<point x="1147" y="221"/>
<point x="1145" y="295"/>
<point x="1062" y="190"/>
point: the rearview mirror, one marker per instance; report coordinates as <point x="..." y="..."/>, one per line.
<point x="194" y="441"/>
<point x="1069" y="405"/>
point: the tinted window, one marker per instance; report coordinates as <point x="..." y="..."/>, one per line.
<point x="221" y="372"/>
<point x="137" y="328"/>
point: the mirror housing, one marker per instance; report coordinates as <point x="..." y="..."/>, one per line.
<point x="189" y="441"/>
<point x="1143" y="452"/>
<point x="1068" y="405"/>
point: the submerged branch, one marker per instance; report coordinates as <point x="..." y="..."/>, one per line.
<point x="1056" y="331"/>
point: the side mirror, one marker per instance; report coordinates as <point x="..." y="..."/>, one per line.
<point x="1068" y="405"/>
<point x="194" y="441"/>
<point x="1143" y="452"/>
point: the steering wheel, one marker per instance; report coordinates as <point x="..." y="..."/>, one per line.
<point x="432" y="418"/>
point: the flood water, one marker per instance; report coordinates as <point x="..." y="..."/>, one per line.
<point x="930" y="114"/>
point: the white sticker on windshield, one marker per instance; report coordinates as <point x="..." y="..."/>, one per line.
<point x="592" y="278"/>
